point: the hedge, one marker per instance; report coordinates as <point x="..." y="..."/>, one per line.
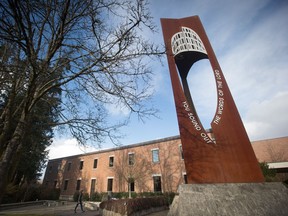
<point x="131" y="206"/>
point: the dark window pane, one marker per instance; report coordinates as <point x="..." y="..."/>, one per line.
<point x="157" y="183"/>
<point x="110" y="185"/>
<point x="81" y="165"/>
<point x="93" y="186"/>
<point x="131" y="184"/>
<point x="95" y="163"/>
<point x="78" y="185"/>
<point x="111" y="161"/>
<point x="65" y="184"/>
<point x="185" y="179"/>
<point x="69" y="166"/>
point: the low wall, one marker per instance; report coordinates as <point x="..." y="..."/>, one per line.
<point x="20" y="204"/>
<point x="49" y="203"/>
<point x="246" y="199"/>
<point x="133" y="207"/>
<point x="66" y="197"/>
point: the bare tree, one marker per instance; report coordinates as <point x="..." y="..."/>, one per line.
<point x="131" y="168"/>
<point x="93" y="50"/>
<point x="276" y="154"/>
<point x="169" y="170"/>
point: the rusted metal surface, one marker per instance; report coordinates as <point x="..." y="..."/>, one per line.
<point x="230" y="157"/>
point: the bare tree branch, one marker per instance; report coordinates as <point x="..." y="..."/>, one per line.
<point x="84" y="56"/>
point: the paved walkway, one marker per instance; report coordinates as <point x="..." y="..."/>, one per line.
<point x="62" y="210"/>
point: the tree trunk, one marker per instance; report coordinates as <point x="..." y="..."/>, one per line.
<point x="6" y="118"/>
<point x="6" y="161"/>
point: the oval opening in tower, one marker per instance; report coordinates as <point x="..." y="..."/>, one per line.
<point x="202" y="88"/>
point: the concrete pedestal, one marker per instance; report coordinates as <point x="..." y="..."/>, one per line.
<point x="245" y="199"/>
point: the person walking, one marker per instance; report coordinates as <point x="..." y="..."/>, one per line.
<point x="79" y="202"/>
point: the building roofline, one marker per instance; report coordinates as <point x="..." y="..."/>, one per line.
<point x="121" y="147"/>
<point x="143" y="144"/>
<point x="268" y="139"/>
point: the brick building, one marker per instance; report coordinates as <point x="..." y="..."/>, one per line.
<point x="144" y="167"/>
<point x="275" y="153"/>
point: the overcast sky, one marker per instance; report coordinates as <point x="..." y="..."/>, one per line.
<point x="250" y="41"/>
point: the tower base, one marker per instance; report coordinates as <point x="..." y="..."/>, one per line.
<point x="231" y="199"/>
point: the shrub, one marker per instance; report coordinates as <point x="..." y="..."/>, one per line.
<point x="75" y="196"/>
<point x="85" y="196"/>
<point x="269" y="174"/>
<point x="131" y="206"/>
<point x="96" y="196"/>
<point x="122" y="195"/>
<point x="150" y="194"/>
<point x="49" y="194"/>
<point x="118" y="195"/>
<point x="169" y="196"/>
<point x="13" y="194"/>
<point x="33" y="192"/>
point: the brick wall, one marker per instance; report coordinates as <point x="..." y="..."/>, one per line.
<point x="170" y="167"/>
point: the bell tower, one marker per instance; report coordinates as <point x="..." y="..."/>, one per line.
<point x="227" y="157"/>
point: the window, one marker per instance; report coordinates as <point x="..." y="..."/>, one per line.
<point x="131" y="159"/>
<point x="157" y="183"/>
<point x="59" y="166"/>
<point x="186" y="37"/>
<point x="155" y="155"/>
<point x="181" y="152"/>
<point x="55" y="184"/>
<point x="78" y="185"/>
<point x="111" y="161"/>
<point x="50" y="169"/>
<point x="185" y="179"/>
<point x="69" y="166"/>
<point x="93" y="186"/>
<point x="131" y="184"/>
<point x="110" y="184"/>
<point x="81" y="165"/>
<point x="95" y="163"/>
<point x="66" y="184"/>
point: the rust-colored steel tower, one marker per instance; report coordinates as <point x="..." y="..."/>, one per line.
<point x="228" y="157"/>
